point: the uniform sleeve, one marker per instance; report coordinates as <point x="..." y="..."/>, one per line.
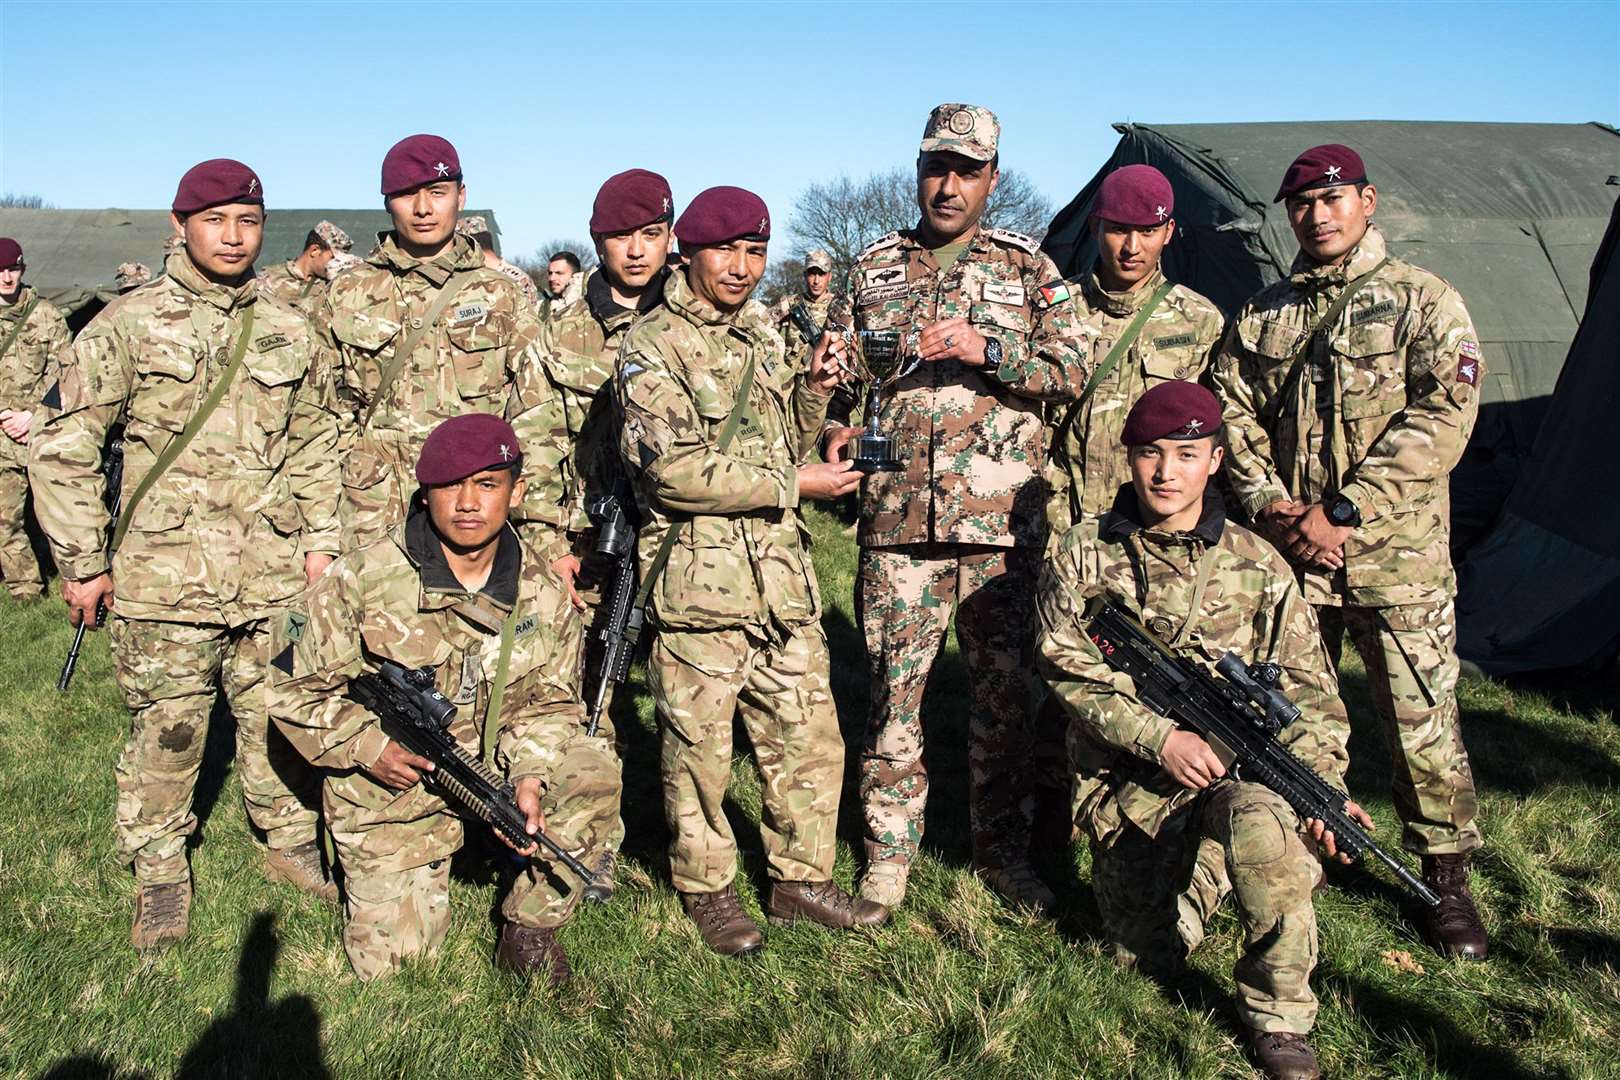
<point x="534" y="408"/>
<point x="56" y="342"/>
<point x="1055" y="361"/>
<point x="1250" y="466"/>
<point x="1425" y="440"/>
<point x="1321" y="736"/>
<point x="313" y="465"/>
<point x="345" y="408"/>
<point x="1098" y="698"/>
<point x="315" y="650"/>
<point x="666" y="443"/>
<point x="64" y="454"/>
<point x="810" y="417"/>
<point x="534" y="740"/>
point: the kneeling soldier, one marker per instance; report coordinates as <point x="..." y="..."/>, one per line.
<point x="1204" y="586"/>
<point x="453" y="589"/>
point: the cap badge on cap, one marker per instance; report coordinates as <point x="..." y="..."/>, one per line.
<point x="667" y="206"/>
<point x="441" y="168"/>
<point x="1332" y="172"/>
<point x="1162" y="212"/>
<point x="763" y="222"/>
<point x="1194" y="424"/>
<point x="506" y="452"/>
<point x="253" y="185"/>
<point x="961" y="122"/>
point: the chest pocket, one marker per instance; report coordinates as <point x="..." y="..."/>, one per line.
<point x="165" y="385"/>
<point x="1163" y="365"/>
<point x="1007" y="320"/>
<point x="386" y="636"/>
<point x="478" y="349"/>
<point x="274" y="376"/>
<point x="363" y="337"/>
<point x="1372" y="376"/>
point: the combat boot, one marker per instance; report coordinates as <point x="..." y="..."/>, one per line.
<point x="822" y="902"/>
<point x="1019" y="883"/>
<point x="162" y="915"/>
<point x="1454" y="928"/>
<point x="1284" y="1055"/>
<point x="301" y="866"/>
<point x="722" y="923"/>
<point x="600" y="890"/>
<point x="885" y="883"/>
<point x="533" y="950"/>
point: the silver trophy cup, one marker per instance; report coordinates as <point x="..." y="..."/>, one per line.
<point x="887" y="357"/>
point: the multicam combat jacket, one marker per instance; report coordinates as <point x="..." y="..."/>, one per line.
<point x="743" y="557"/>
<point x="796" y="348"/>
<point x="222" y="534"/>
<point x="29" y="366"/>
<point x="299" y="292"/>
<point x="1380" y="411"/>
<point x="1251" y="606"/>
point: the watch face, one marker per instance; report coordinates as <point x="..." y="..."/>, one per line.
<point x="1342" y="512"/>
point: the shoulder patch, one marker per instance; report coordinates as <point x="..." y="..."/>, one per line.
<point x="1053" y="292"/>
<point x="887" y="240"/>
<point x="1015" y="239"/>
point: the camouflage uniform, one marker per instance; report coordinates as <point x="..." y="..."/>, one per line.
<point x="469" y="362"/>
<point x="27" y="368"/>
<point x="737" y="607"/>
<point x="1380" y="412"/>
<point x="797" y="348"/>
<point x="398" y="599"/>
<point x="213" y="550"/>
<point x="285" y="282"/>
<point x="472" y="226"/>
<point x="1150" y="837"/>
<point x="131" y="275"/>
<point x="961" y="526"/>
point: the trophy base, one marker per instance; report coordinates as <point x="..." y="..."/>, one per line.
<point x="874" y="454"/>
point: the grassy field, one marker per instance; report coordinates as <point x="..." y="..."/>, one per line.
<point x="956" y="986"/>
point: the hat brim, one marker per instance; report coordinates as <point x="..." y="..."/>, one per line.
<point x="976" y="151"/>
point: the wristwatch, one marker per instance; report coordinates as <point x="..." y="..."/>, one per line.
<point x="992" y="356"/>
<point x="1342" y="512"/>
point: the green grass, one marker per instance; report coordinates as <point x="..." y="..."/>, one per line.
<point x="957" y="986"/>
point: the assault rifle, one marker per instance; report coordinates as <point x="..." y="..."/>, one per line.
<point x="1239" y="715"/>
<point x="416" y="715"/>
<point x="112" y="471"/>
<point x="619" y="621"/>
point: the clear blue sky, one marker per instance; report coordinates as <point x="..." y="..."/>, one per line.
<point x="106" y="104"/>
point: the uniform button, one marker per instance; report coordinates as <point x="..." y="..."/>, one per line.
<point x="416" y="323"/>
<point x="219" y="354"/>
<point x="1160" y="626"/>
<point x="1181" y="372"/>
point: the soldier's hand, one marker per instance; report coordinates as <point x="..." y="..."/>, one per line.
<point x="828" y="479"/>
<point x="1189" y="760"/>
<point x="85" y="599"/>
<point x="528" y="801"/>
<point x="567" y="570"/>
<point x="1324" y="838"/>
<point x="398" y="768"/>
<point x="1315" y="540"/>
<point x="828" y="362"/>
<point x="16" y="424"/>
<point x="315" y="564"/>
<point x="837" y="442"/>
<point x="952" y="339"/>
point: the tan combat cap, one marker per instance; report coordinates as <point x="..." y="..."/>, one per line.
<point x="472" y="226"/>
<point x="970" y="130"/>
<point x="333" y="237"/>
<point x="131" y="274"/>
<point x="817" y="259"/>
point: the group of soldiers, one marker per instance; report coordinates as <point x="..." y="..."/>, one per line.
<point x="409" y="467"/>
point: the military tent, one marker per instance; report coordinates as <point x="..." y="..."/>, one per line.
<point x="1508" y="213"/>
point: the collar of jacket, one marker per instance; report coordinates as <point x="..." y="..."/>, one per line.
<point x="183" y="272"/>
<point x="461" y="254"/>
<point x="680" y="298"/>
<point x="1309" y="275"/>
<point x="1120" y="304"/>
<point x="12" y="311"/>
<point x="599" y="297"/>
<point x="1126" y="518"/>
<point x="440" y="587"/>
<point x="977" y="244"/>
<point x="297" y="274"/>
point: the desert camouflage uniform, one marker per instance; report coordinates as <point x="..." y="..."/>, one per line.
<point x="1382" y="409"/>
<point x="1156" y="890"/>
<point x="960" y="527"/>
<point x="469" y="362"/>
<point x="26" y="370"/>
<point x="287" y="283"/>
<point x="736" y="609"/>
<point x="214" y="548"/>
<point x="397" y="599"/>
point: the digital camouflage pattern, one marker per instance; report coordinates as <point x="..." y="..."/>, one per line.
<point x="392" y="599"/>
<point x="333" y="236"/>
<point x="1178" y="341"/>
<point x="736" y="608"/>
<point x="1155" y="889"/>
<point x="468" y="362"/>
<point x="131" y="275"/>
<point x="214" y="548"/>
<point x="285" y="282"/>
<point x="974" y="445"/>
<point x="27" y="369"/>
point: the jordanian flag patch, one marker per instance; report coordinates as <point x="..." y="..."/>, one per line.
<point x="1055" y="291"/>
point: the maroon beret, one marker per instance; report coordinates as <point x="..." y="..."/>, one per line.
<point x="416" y="160"/>
<point x="214" y="183"/>
<point x="1172" y="410"/>
<point x="723" y="214"/>
<point x="1322" y="166"/>
<point x="1135" y="195"/>
<point x="629" y="200"/>
<point x="464" y="445"/>
<point x="10" y="253"/>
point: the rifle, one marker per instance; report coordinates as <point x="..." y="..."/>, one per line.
<point x="418" y="716"/>
<point x="1239" y="715"/>
<point x="844" y="398"/>
<point x="112" y="471"/>
<point x="619" y="621"/>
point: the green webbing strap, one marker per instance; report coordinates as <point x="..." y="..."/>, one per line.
<point x="178" y="443"/>
<point x="497" y="693"/>
<point x="22" y="321"/>
<point x="733" y="421"/>
<point x="1330" y="317"/>
<point x="396" y="362"/>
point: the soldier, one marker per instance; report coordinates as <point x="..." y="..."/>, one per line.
<point x="717" y="434"/>
<point x="424" y="332"/>
<point x="477" y="227"/>
<point x="961" y="527"/>
<point x="300" y="283"/>
<point x="817" y="299"/>
<point x="453" y="588"/>
<point x="1205" y="586"/>
<point x="1350" y="389"/>
<point x="34" y="339"/>
<point x="563" y="280"/>
<point x="131" y="276"/>
<point x="229" y="509"/>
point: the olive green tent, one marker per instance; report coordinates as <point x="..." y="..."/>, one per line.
<point x="1508" y="213"/>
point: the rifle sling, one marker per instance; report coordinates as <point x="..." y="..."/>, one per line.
<point x="22" y="321"/>
<point x="497" y="693"/>
<point x="1329" y="317"/>
<point x="402" y="354"/>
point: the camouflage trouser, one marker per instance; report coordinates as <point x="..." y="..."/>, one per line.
<point x="395" y="849"/>
<point x="906" y="597"/>
<point x="1411" y="657"/>
<point x="700" y="681"/>
<point x="169" y="673"/>
<point x="23" y="576"/>
<point x="1156" y="895"/>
